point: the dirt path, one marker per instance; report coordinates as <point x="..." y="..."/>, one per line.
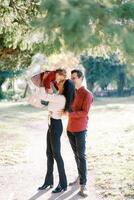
<point x="20" y="182"/>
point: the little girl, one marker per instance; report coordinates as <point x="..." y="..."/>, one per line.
<point x="48" y="78"/>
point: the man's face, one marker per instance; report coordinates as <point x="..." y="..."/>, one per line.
<point x="77" y="81"/>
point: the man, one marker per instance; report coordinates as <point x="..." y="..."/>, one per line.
<point x="77" y="127"/>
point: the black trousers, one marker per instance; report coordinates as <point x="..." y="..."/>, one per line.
<point x="53" y="152"/>
<point x="78" y="144"/>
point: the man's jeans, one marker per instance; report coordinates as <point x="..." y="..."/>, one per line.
<point x="78" y="144"/>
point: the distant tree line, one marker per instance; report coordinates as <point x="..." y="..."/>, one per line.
<point x="108" y="70"/>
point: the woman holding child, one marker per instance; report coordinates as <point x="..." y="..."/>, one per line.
<point x="58" y="102"/>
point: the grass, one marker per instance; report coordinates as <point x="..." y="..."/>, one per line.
<point x="110" y="143"/>
<point x="14" y="134"/>
<point x="111" y="148"/>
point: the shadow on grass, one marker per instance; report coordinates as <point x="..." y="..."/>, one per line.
<point x="38" y="194"/>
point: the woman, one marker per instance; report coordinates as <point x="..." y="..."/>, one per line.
<point x="57" y="103"/>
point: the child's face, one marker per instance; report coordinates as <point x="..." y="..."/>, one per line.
<point x="59" y="77"/>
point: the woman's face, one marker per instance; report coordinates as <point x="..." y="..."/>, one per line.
<point x="60" y="78"/>
<point x="61" y="86"/>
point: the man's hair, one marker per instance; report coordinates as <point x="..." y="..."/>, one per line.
<point x="61" y="71"/>
<point x="78" y="72"/>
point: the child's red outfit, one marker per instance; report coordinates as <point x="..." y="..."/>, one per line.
<point x="50" y="78"/>
<point x="44" y="79"/>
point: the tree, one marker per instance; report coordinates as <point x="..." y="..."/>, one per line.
<point x="77" y="25"/>
<point x="15" y="32"/>
<point x="16" y="35"/>
<point x="7" y="74"/>
<point x="103" y="71"/>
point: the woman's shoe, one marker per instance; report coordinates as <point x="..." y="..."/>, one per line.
<point x="45" y="186"/>
<point x="59" y="189"/>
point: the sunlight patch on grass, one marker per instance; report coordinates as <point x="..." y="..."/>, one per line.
<point x="111" y="150"/>
<point x="17" y="122"/>
<point x="12" y="154"/>
<point x="110" y="142"/>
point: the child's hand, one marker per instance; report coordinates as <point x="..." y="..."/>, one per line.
<point x="34" y="101"/>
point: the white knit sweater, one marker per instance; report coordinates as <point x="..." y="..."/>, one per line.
<point x="56" y="102"/>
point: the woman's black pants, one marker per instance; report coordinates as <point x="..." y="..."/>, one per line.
<point x="54" y="152"/>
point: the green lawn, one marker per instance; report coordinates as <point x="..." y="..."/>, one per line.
<point x="111" y="147"/>
<point x="14" y="133"/>
<point x="110" y="142"/>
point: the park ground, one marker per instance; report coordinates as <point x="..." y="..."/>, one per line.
<point x="110" y="151"/>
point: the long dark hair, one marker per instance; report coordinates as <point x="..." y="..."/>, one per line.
<point x="69" y="93"/>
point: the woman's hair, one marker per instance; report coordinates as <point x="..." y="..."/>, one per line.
<point x="69" y="93"/>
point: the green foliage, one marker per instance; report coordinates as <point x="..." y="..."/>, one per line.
<point x="7" y="74"/>
<point x="78" y="25"/>
<point x="15" y="32"/>
<point x="125" y="10"/>
<point x="102" y="71"/>
<point x="15" y="17"/>
<point x="129" y="42"/>
<point x="67" y="25"/>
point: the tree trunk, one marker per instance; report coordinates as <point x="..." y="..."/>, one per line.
<point x="2" y="79"/>
<point x="25" y="92"/>
<point x="121" y="84"/>
<point x="90" y="85"/>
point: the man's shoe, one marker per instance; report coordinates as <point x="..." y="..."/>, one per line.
<point x="83" y="191"/>
<point x="74" y="182"/>
<point x="45" y="186"/>
<point x="59" y="189"/>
